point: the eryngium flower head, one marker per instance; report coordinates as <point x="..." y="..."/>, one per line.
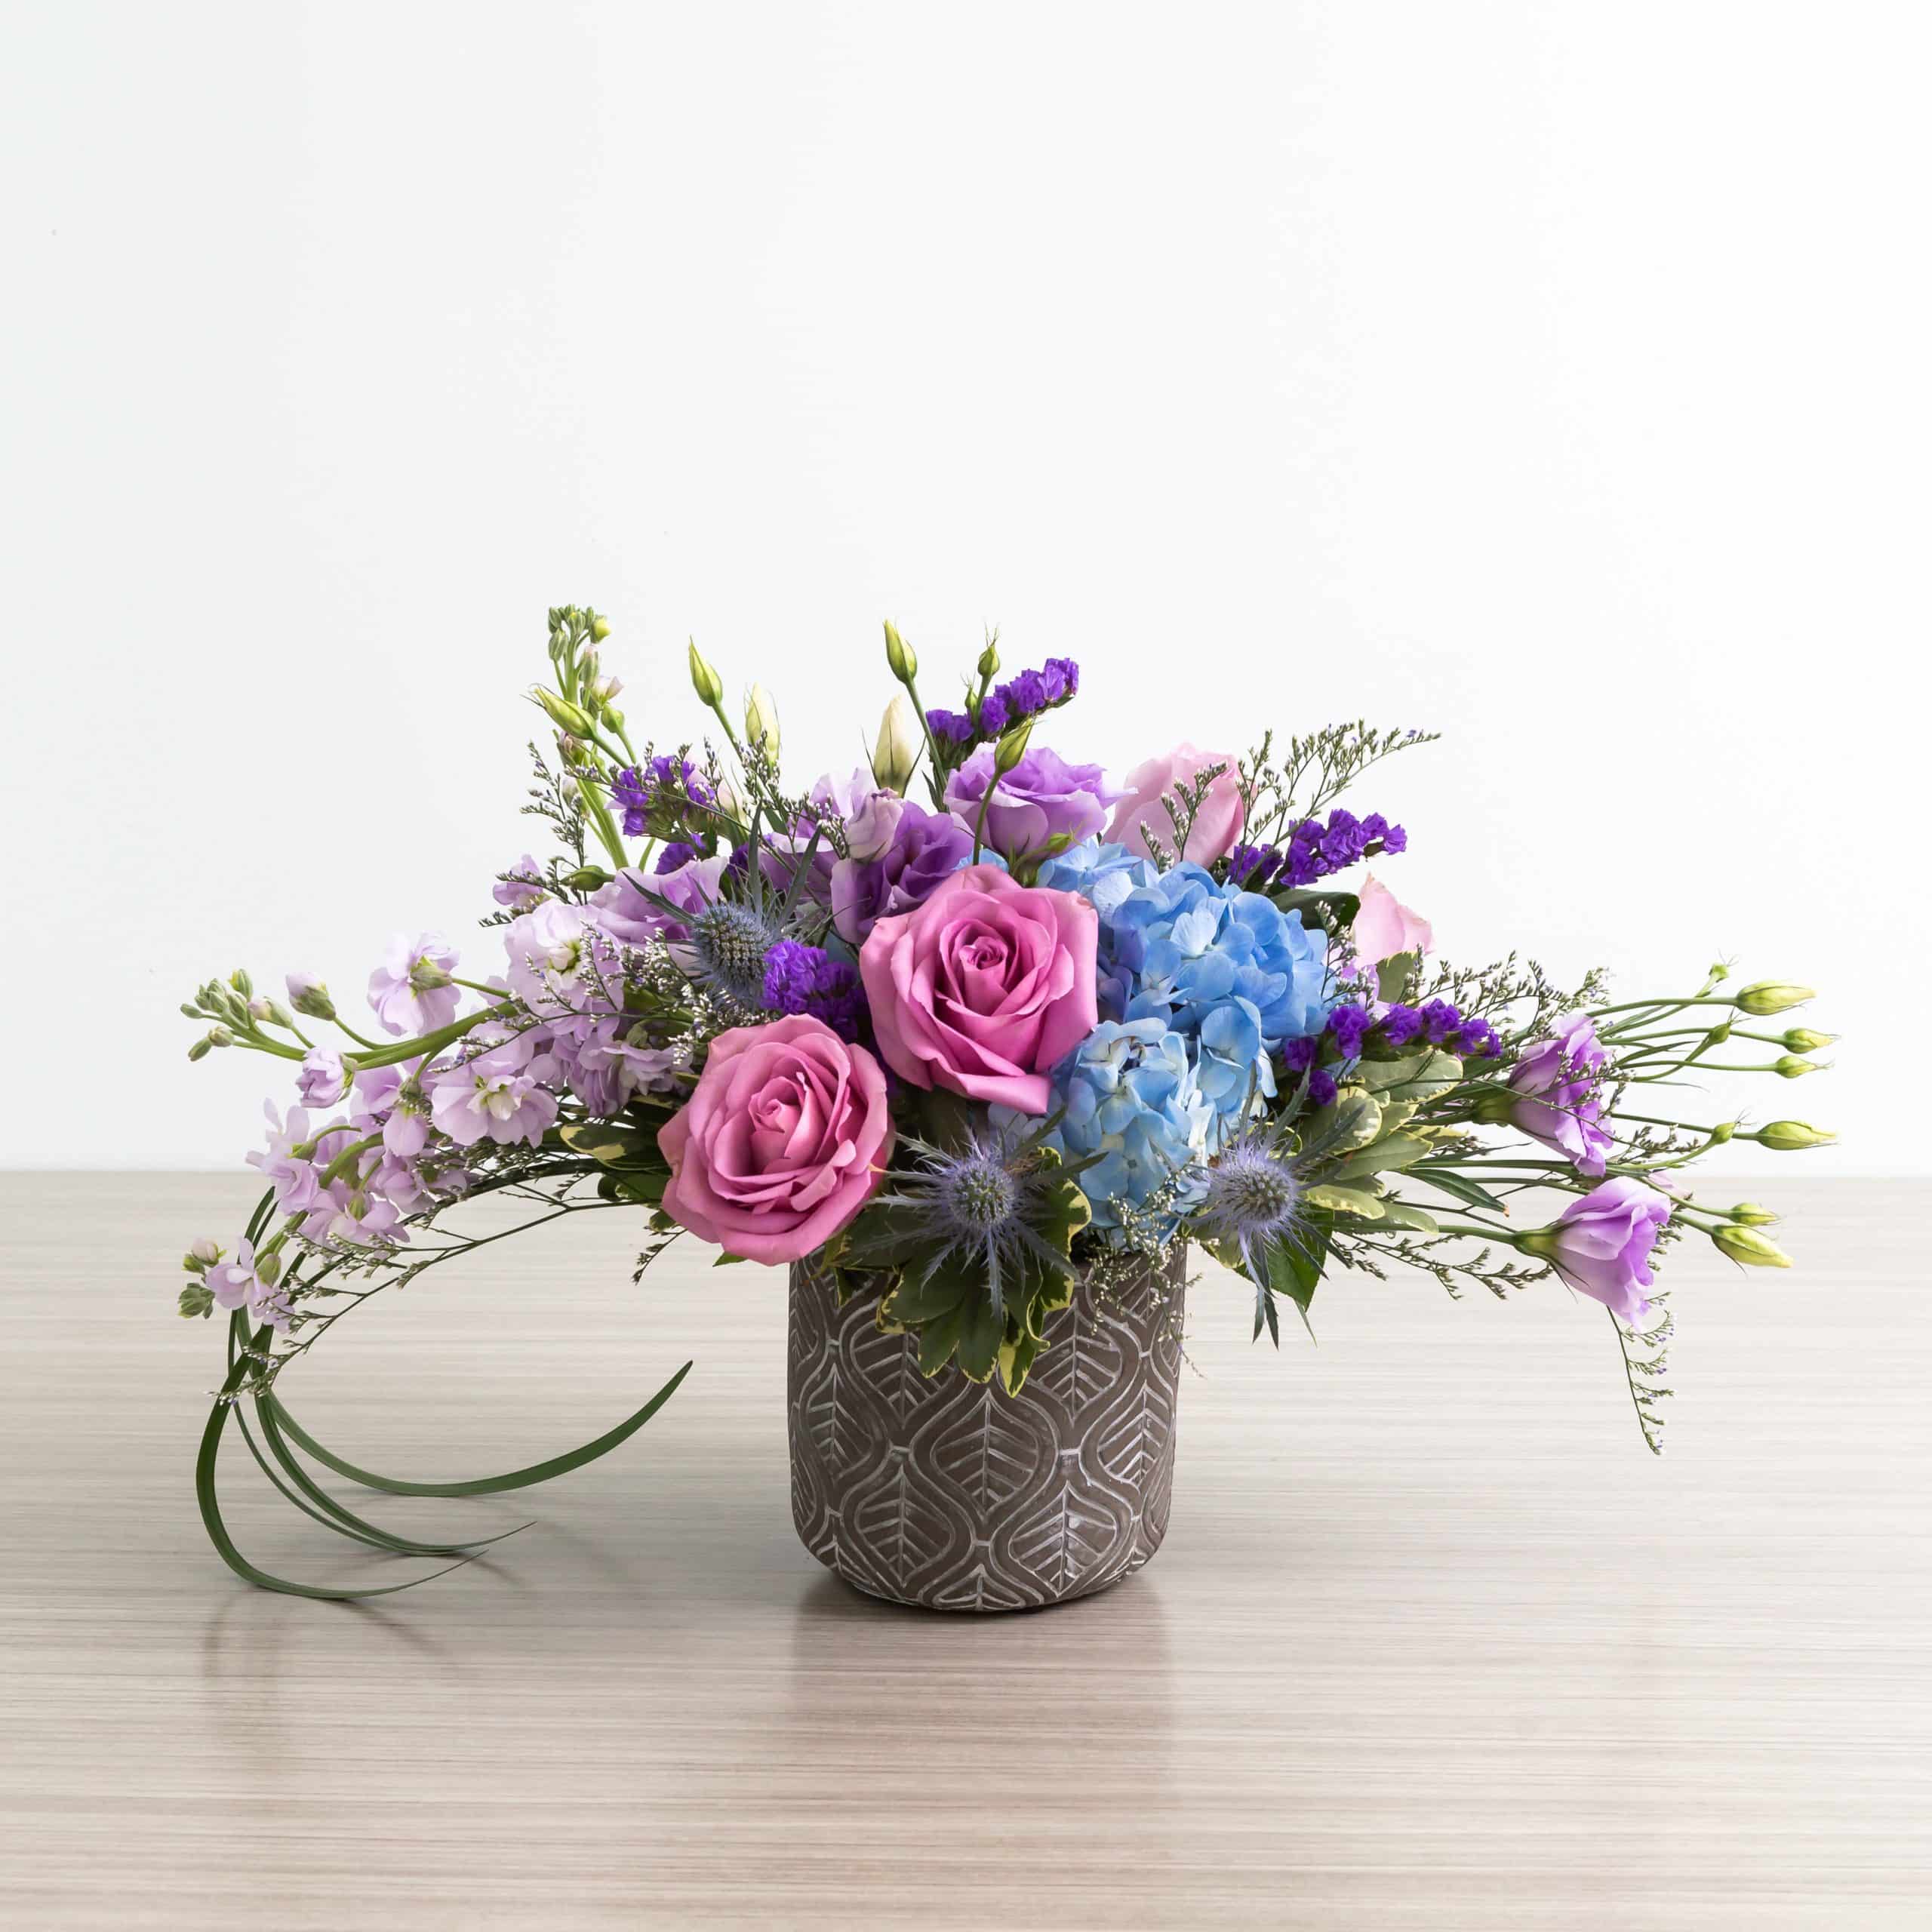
<point x="730" y="942"/>
<point x="1253" y="1199"/>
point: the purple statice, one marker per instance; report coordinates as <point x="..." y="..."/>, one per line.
<point x="1478" y="1039"/>
<point x="665" y="787"/>
<point x="1250" y="867"/>
<point x="995" y="714"/>
<point x="1025" y="695"/>
<point x="675" y="854"/>
<point x="1321" y="1088"/>
<point x="1440" y="1021"/>
<point x="1315" y="850"/>
<point x="950" y="727"/>
<point x="1298" y="1055"/>
<point x="806" y="978"/>
<point x="1399" y="1025"/>
<point x="1349" y="1025"/>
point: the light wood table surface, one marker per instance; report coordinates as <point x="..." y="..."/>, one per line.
<point x="1433" y="1641"/>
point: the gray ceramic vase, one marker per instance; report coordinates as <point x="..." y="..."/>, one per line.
<point x="942" y="1493"/>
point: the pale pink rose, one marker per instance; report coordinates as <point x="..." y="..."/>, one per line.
<point x="1216" y="826"/>
<point x="782" y="1142"/>
<point x="984" y="989"/>
<point x="1385" y="927"/>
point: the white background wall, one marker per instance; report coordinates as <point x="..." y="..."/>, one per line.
<point x="1554" y="375"/>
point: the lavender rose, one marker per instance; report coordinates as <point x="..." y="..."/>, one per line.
<point x="1601" y="1244"/>
<point x="924" y="850"/>
<point x="783" y="1141"/>
<point x="984" y="989"/>
<point x="1556" y="1077"/>
<point x="1042" y="798"/>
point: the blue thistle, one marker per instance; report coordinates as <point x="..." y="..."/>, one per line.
<point x="730" y="942"/>
<point x="1253" y="1204"/>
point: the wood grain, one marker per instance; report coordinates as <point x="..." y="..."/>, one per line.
<point x="1433" y="1642"/>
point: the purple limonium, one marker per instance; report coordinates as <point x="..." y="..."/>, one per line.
<point x="1601" y="1244"/>
<point x="1042" y="798"/>
<point x="675" y="856"/>
<point x="411" y="991"/>
<point x="1477" y="1039"/>
<point x="1440" y="1021"/>
<point x="521" y="886"/>
<point x="925" y="848"/>
<point x="1349" y="1025"/>
<point x="1252" y="866"/>
<point x="806" y="978"/>
<point x="1556" y="1079"/>
<point x="1399" y="1025"/>
<point x="664" y="788"/>
<point x="1321" y="1088"/>
<point x="323" y="1080"/>
<point x="949" y="728"/>
<point x="1315" y="850"/>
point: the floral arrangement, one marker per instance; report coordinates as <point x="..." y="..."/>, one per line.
<point x="958" y="1030"/>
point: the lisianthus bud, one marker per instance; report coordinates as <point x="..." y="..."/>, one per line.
<point x="706" y="681"/>
<point x="1719" y="971"/>
<point x="1749" y="1214"/>
<point x="1748" y="1246"/>
<point x="1769" y="996"/>
<point x="1721" y="1133"/>
<point x="899" y="655"/>
<point x="989" y="665"/>
<point x="569" y="718"/>
<point x="307" y="994"/>
<point x="587" y="879"/>
<point x="197" y="1298"/>
<point x="897" y="754"/>
<point x="1012" y="748"/>
<point x="600" y="629"/>
<point x="1803" y="1040"/>
<point x="1789" y="1136"/>
<point x="1788" y="1066"/>
<point x="761" y="721"/>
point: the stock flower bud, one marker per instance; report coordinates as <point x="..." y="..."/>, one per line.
<point x="197" y="1298"/>
<point x="1769" y="996"/>
<point x="307" y="995"/>
<point x="706" y="681"/>
<point x="1788" y="1066"/>
<point x="204" y="1253"/>
<point x="1748" y="1246"/>
<point x="897" y="754"/>
<point x="220" y="1036"/>
<point x="199" y="1051"/>
<point x="1749" y="1214"/>
<point x="761" y="721"/>
<point x="1790" y="1136"/>
<point x="1804" y="1040"/>
<point x="899" y="655"/>
<point x="241" y="982"/>
<point x="600" y="629"/>
<point x="261" y="1008"/>
<point x="569" y="718"/>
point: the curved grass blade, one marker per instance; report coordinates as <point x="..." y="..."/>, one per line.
<point x="211" y="1507"/>
<point x="557" y="1465"/>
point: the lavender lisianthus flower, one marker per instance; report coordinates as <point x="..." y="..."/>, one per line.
<point x="1556" y="1077"/>
<point x="410" y="992"/>
<point x="1601" y="1244"/>
<point x="925" y="848"/>
<point x="629" y="911"/>
<point x="1043" y="798"/>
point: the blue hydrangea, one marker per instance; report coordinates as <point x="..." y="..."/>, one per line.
<point x="1104" y="875"/>
<point x="1128" y="1093"/>
<point x="1227" y="969"/>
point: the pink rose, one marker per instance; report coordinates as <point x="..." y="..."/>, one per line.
<point x="1216" y="826"/>
<point x="782" y="1144"/>
<point x="1385" y="927"/>
<point x="985" y="988"/>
